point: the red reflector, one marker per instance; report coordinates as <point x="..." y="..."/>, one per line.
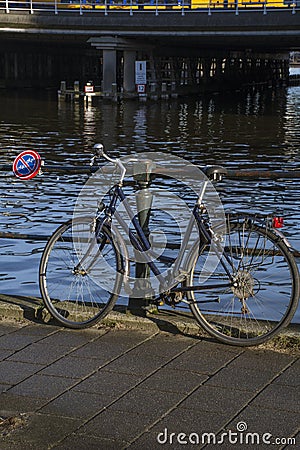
<point x="277" y="222"/>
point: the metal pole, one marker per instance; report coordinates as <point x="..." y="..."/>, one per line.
<point x="142" y="174"/>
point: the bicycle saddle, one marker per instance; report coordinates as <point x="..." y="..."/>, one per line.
<point x="214" y="173"/>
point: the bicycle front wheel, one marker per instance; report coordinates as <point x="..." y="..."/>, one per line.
<point x="262" y="289"/>
<point x="80" y="273"/>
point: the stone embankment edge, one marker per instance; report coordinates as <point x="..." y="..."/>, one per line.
<point x="20" y="309"/>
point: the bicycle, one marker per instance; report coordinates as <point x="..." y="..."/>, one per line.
<point x="252" y="294"/>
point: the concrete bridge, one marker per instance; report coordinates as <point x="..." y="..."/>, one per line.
<point x="197" y="44"/>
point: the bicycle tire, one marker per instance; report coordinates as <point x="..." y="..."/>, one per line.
<point x="72" y="273"/>
<point x="267" y="292"/>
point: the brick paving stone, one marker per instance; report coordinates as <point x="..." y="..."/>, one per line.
<point x="148" y="440"/>
<point x="42" y="386"/>
<point x="217" y="399"/>
<point x="291" y="376"/>
<point x="103" y="356"/>
<point x="105" y="381"/>
<point x="76" y="404"/>
<point x="247" y="379"/>
<point x="262" y="360"/>
<point x="71" y="367"/>
<point x="116" y="425"/>
<point x="297" y="438"/>
<point x="71" y="338"/>
<point x="261" y="420"/>
<point x="6" y="328"/>
<point x="13" y="372"/>
<point x="16" y="342"/>
<point x="39" y="353"/>
<point x="151" y="349"/>
<point x="192" y="423"/>
<point x="205" y="357"/>
<point x="41" y="432"/>
<point x="152" y="403"/>
<point x="4" y="387"/>
<point x="131" y="363"/>
<point x="171" y="380"/>
<point x="166" y="344"/>
<point x="109" y="346"/>
<point x="81" y="441"/>
<point x="19" y="403"/>
<point x="36" y="329"/>
<point x="279" y="397"/>
<point x="5" y="354"/>
<point x="125" y="339"/>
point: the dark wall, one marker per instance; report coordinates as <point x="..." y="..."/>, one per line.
<point x="28" y="64"/>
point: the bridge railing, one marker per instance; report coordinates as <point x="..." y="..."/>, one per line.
<point x="151" y="6"/>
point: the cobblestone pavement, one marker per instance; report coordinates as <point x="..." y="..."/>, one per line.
<point x="118" y="389"/>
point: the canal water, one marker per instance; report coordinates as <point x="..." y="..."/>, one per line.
<point x="241" y="130"/>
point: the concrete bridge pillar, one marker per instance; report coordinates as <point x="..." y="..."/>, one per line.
<point x="109" y="70"/>
<point x="109" y="46"/>
<point x="129" y="71"/>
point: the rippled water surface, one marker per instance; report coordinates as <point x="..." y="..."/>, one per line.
<point x="239" y="130"/>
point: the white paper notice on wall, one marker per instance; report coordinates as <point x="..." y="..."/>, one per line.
<point x="140" y="72"/>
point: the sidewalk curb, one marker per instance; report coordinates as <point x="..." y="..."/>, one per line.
<point x="20" y="308"/>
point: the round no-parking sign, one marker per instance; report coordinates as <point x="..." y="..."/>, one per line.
<point x="27" y="165"/>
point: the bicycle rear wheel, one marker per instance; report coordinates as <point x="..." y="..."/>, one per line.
<point x="263" y="286"/>
<point x="80" y="273"/>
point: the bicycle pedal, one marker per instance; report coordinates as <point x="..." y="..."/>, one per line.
<point x="157" y="302"/>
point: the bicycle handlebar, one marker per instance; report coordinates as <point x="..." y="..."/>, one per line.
<point x="99" y="151"/>
<point x="213" y="173"/>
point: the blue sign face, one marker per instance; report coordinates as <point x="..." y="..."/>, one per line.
<point x="27" y="165"/>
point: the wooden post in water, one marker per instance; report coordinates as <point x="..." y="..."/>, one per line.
<point x="62" y="91"/>
<point x="76" y="90"/>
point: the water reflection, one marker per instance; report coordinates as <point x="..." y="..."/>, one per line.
<point x="241" y="130"/>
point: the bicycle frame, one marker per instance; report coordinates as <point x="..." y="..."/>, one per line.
<point x="141" y="243"/>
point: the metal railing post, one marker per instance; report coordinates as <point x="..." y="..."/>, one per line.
<point x="265" y="8"/>
<point x="55" y="7"/>
<point x="6" y="7"/>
